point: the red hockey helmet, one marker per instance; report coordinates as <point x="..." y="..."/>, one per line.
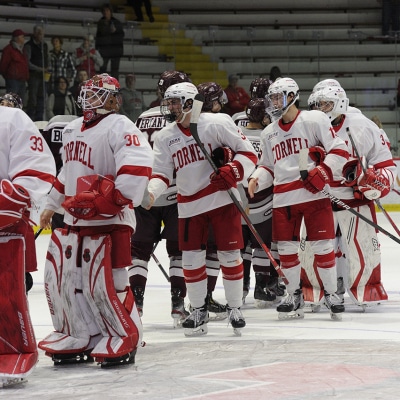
<point x="255" y="110"/>
<point x="169" y="78"/>
<point x="259" y="88"/>
<point x="211" y="92"/>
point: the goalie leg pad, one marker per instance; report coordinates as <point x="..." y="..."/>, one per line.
<point x="120" y="333"/>
<point x="18" y="350"/>
<point x="73" y="320"/>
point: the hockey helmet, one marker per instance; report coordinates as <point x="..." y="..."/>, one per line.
<point x="179" y="94"/>
<point x="278" y="93"/>
<point x="11" y="100"/>
<point x="332" y="101"/>
<point x="169" y="78"/>
<point x="326" y="82"/>
<point x="99" y="95"/>
<point x="212" y="92"/>
<point x="259" y="87"/>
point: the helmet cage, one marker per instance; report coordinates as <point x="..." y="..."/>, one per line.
<point x="278" y="94"/>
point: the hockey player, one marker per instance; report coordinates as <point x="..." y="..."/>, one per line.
<point x="163" y="213"/>
<point x="27" y="172"/>
<point x="107" y="162"/>
<point x="258" y="90"/>
<point x="357" y="247"/>
<point x="11" y="100"/>
<point x="295" y="200"/>
<point x="267" y="286"/>
<point x="202" y="199"/>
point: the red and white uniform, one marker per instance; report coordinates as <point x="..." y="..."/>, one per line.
<point x="111" y="146"/>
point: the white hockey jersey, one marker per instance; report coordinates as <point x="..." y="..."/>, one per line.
<point x="112" y="146"/>
<point x="371" y="142"/>
<point x="281" y="145"/>
<point x="176" y="151"/>
<point x="240" y="119"/>
<point x="25" y="158"/>
<point x="150" y="122"/>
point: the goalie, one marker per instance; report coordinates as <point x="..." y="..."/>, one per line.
<point x="27" y="172"/>
<point x="106" y="167"/>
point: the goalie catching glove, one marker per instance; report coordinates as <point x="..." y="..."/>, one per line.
<point x="14" y="201"/>
<point x="103" y="201"/>
<point x="370" y="185"/>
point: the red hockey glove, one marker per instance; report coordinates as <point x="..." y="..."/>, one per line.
<point x="316" y="179"/>
<point x="14" y="201"/>
<point x="104" y="202"/>
<point x="373" y="184"/>
<point x="317" y="154"/>
<point x="222" y="156"/>
<point x="227" y="176"/>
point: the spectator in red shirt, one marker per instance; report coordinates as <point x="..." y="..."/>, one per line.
<point x="237" y="96"/>
<point x="14" y="65"/>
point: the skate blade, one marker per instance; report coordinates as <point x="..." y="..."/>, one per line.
<point x="199" y="331"/>
<point x="178" y="319"/>
<point x="298" y="314"/>
<point x="68" y="359"/>
<point x="218" y="316"/>
<point x="8" y="382"/>
<point x="315" y="308"/>
<point x="237" y="331"/>
<point x="263" y="303"/>
<point x="127" y="359"/>
<point x="336" y="316"/>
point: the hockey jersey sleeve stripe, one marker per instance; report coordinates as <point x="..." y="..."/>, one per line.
<point x="58" y="186"/>
<point x="385" y="164"/>
<point x="49" y="178"/>
<point x="163" y="178"/>
<point x="288" y="187"/>
<point x="251" y="156"/>
<point x="138" y="170"/>
<point x="340" y="152"/>
<point x="210" y="189"/>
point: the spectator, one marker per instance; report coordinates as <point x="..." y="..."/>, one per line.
<point x="14" y="65"/>
<point x="390" y="16"/>
<point x="87" y="57"/>
<point x="37" y="54"/>
<point x="109" y="40"/>
<point x="132" y="100"/>
<point x="61" y="101"/>
<point x="61" y="62"/>
<point x="82" y="76"/>
<point x="137" y="7"/>
<point x="237" y="96"/>
<point x="156" y="102"/>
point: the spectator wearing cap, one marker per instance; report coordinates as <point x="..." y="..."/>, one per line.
<point x="132" y="100"/>
<point x="237" y="96"/>
<point x="87" y="57"/>
<point x="14" y="65"/>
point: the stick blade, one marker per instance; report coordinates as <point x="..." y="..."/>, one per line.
<point x="196" y="108"/>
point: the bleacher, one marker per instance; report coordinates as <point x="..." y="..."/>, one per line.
<point x="309" y="40"/>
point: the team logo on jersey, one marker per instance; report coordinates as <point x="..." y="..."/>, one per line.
<point x="272" y="135"/>
<point x="56" y="135"/>
<point x="172" y="197"/>
<point x="174" y="142"/>
<point x="86" y="255"/>
<point x="68" y="131"/>
<point x="68" y="252"/>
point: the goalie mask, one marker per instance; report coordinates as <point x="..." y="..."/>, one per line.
<point x="259" y="88"/>
<point x="332" y="101"/>
<point x="98" y="96"/>
<point x="11" y="100"/>
<point x="278" y="93"/>
<point x="212" y="93"/>
<point x="169" y="78"/>
<point x="178" y="101"/>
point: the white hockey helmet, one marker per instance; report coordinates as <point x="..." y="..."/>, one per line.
<point x="278" y="93"/>
<point x="183" y="92"/>
<point x="325" y="83"/>
<point x="331" y="100"/>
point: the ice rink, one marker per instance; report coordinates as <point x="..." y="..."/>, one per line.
<point x="313" y="358"/>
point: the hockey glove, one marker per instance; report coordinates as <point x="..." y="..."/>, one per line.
<point x="227" y="176"/>
<point x="105" y="202"/>
<point x="317" y="154"/>
<point x="222" y="156"/>
<point x="316" y="179"/>
<point x="14" y="201"/>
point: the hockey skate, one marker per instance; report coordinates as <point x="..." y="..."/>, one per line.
<point x="218" y="309"/>
<point x="73" y="358"/>
<point x="196" y="323"/>
<point x="341" y="290"/>
<point x="276" y="286"/>
<point x="178" y="311"/>
<point x="126" y="359"/>
<point x="138" y="292"/>
<point x="246" y="288"/>
<point x="263" y="297"/>
<point x="236" y="319"/>
<point x="292" y="306"/>
<point x="334" y="305"/>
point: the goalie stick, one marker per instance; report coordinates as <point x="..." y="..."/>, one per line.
<point x="304" y="173"/>
<point x="377" y="201"/>
<point x="196" y="110"/>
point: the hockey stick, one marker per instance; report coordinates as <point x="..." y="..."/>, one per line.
<point x="157" y="260"/>
<point x="196" y="110"/>
<point x="340" y="203"/>
<point x="377" y="201"/>
<point x="39" y="231"/>
<point x="396" y="191"/>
